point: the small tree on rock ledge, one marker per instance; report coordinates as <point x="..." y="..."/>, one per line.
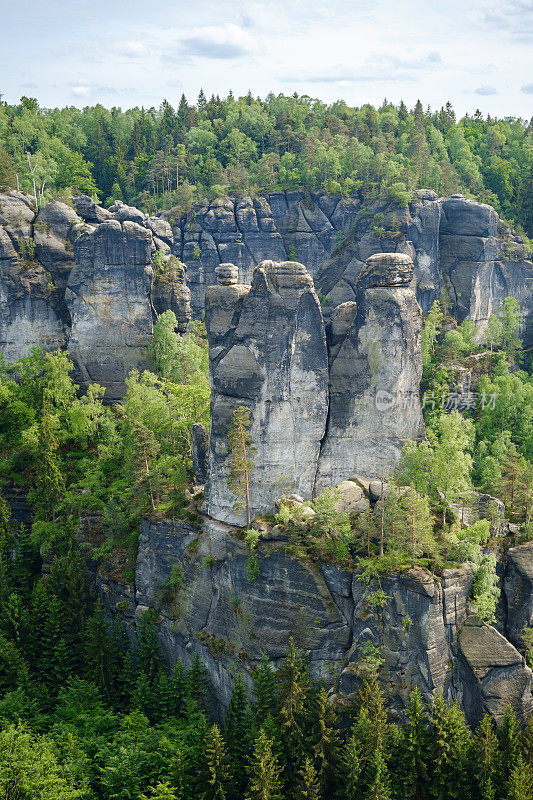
<point x="241" y="452"/>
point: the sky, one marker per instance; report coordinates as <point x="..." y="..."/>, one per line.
<point x="136" y="52"/>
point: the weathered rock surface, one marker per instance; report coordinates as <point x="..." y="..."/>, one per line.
<point x="424" y="631"/>
<point x="453" y="242"/>
<point x="518" y="592"/>
<point x="268" y="354"/>
<point x="98" y="300"/>
<point x="374" y="375"/>
<point x="108" y="298"/>
<point x="493" y="673"/>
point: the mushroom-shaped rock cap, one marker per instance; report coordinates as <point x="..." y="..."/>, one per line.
<point x="386" y="269"/>
<point x="281" y="275"/>
<point x="227" y="274"/>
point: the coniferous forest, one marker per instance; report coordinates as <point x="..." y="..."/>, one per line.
<point x="86" y="712"/>
<point x="174" y="155"/>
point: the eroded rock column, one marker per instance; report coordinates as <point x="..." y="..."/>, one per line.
<point x="375" y="372"/>
<point x="268" y="353"/>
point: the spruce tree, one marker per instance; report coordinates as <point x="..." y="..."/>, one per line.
<point x="264" y="771"/>
<point x="238" y="737"/>
<point x="217" y="765"/>
<point x="307" y="784"/>
<point x="520" y="786"/>
<point x="487" y="760"/>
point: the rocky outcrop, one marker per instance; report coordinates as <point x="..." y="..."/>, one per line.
<point x="493" y="673"/>
<point x="83" y="279"/>
<point x="108" y="298"/>
<point x="424" y="633"/>
<point x="453" y="242"/>
<point x="267" y="354"/>
<point x="28" y="314"/>
<point x="518" y="592"/>
<point x="374" y="374"/>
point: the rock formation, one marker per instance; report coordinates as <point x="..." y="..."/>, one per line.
<point x="83" y="279"/>
<point x="108" y="296"/>
<point x="267" y="353"/>
<point x="375" y="370"/>
<point x="425" y="632"/>
<point x="454" y="243"/>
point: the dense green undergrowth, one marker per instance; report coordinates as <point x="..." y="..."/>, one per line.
<point x="170" y="157"/>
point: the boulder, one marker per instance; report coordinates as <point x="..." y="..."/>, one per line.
<point x="494" y="673"/>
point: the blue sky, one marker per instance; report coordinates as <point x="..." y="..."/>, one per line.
<point x="127" y="52"/>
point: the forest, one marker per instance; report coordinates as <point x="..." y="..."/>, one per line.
<point x="86" y="712"/>
<point x="172" y="156"/>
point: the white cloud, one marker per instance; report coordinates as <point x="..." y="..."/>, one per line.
<point x="224" y="41"/>
<point x="80" y="90"/>
<point x="485" y="91"/>
<point x="527" y="89"/>
<point x="132" y="49"/>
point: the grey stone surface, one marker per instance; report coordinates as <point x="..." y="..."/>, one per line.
<point x="108" y="297"/>
<point x="267" y="353"/>
<point x="453" y="242"/>
<point x="493" y="673"/>
<point x="518" y="591"/>
<point x="374" y="377"/>
<point x="200" y="452"/>
<point x="424" y="631"/>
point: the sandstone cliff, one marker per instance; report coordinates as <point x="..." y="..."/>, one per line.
<point x="455" y="243"/>
<point x="426" y="633"/>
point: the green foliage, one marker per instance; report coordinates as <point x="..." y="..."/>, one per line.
<point x="242" y="450"/>
<point x="170" y="157"/>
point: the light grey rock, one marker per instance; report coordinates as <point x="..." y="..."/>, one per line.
<point x="268" y="353"/>
<point x="108" y="297"/>
<point x="374" y="379"/>
<point x="89" y="210"/>
<point x="493" y="672"/>
<point x="170" y="292"/>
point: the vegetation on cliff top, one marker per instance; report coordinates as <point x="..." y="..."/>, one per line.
<point x="170" y="157"/>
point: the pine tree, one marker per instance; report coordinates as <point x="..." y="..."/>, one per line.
<point x="217" y="765"/>
<point x="264" y="771"/>
<point x="241" y="454"/>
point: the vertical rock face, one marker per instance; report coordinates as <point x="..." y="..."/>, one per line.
<point x="268" y="353"/>
<point x="375" y="372"/>
<point x="28" y="314"/>
<point x="108" y="297"/>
